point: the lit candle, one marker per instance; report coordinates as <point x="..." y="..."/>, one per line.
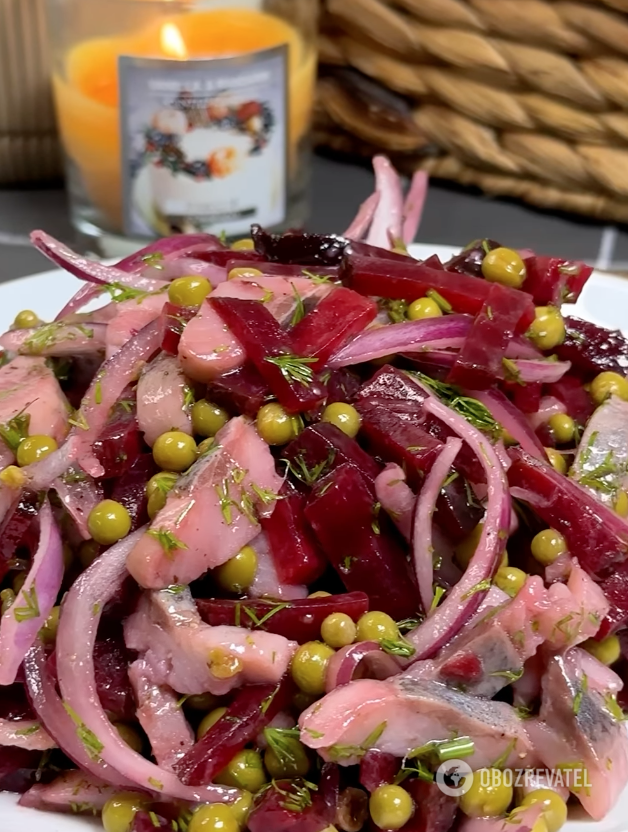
<point x="204" y="136"/>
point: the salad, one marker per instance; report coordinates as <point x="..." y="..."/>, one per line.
<point x="293" y="529"/>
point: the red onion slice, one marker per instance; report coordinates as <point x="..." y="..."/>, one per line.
<point x="32" y="606"/>
<point x="414" y="205"/>
<point x="512" y="419"/>
<point x="58" y="722"/>
<point x="80" y="615"/>
<point x="541" y="369"/>
<point x="116" y="373"/>
<point x="464" y="598"/>
<point x="79" y="496"/>
<point x="343" y="666"/>
<point x="388" y="215"/>
<point x="548" y="406"/>
<point x="363" y="218"/>
<point x="89" y="270"/>
<point x="410" y="336"/>
<point x="86" y="294"/>
<point x="423" y="550"/>
<point x="169" y="248"/>
<point x="25" y="733"/>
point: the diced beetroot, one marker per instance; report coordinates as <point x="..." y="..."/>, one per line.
<point x="120" y="442"/>
<point x="480" y="362"/>
<point x="298" y="620"/>
<point x="469" y="260"/>
<point x="377" y="768"/>
<point x="299" y="247"/>
<point x="367" y="250"/>
<point x="172" y="321"/>
<point x="360" y="544"/>
<point x="280" y="810"/>
<point x="593" y="349"/>
<point x="595" y="535"/>
<point x="398" y="392"/>
<point x="551" y="280"/>
<point x="615" y="587"/>
<point x="571" y="393"/>
<point x="326" y="445"/>
<point x="145" y="822"/>
<point x="130" y="489"/>
<point x="435" y="811"/>
<point x="111" y="662"/>
<point x="18" y="769"/>
<point x="249" y="713"/>
<point x="295" y="552"/>
<point x="410" y="281"/>
<point x="433" y="364"/>
<point x="240" y="391"/>
<point x="76" y="376"/>
<point x="292" y="380"/>
<point x="343" y="386"/>
<point x="396" y="440"/>
<point x="527" y="397"/>
<point x="434" y="262"/>
<point x="454" y="514"/>
<point x="337" y="318"/>
<point x="14" y="529"/>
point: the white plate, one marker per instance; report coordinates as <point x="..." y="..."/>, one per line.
<point x="604" y="301"/>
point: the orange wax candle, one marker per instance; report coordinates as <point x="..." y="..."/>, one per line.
<point x="87" y="90"/>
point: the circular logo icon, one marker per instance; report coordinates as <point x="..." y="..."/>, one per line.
<point x="454" y="778"/>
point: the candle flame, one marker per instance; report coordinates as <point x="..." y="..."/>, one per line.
<point x="172" y="42"/>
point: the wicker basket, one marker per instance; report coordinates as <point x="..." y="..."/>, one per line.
<point x="525" y="98"/>
<point x="29" y="148"/>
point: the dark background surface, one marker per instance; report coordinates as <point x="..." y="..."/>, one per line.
<point x="452" y="216"/>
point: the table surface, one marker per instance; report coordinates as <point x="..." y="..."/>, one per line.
<point x="452" y="216"/>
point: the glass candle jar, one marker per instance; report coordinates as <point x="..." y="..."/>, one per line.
<point x="183" y="115"/>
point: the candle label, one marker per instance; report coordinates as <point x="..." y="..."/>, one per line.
<point x="204" y="143"/>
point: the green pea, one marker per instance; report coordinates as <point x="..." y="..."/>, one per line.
<point x="247" y="244"/>
<point x="161" y="483"/>
<point x="309" y="666"/>
<point x="557" y="460"/>
<point x="109" y="522"/>
<point x="292" y="763"/>
<point x="609" y="384"/>
<point x="548" y="328"/>
<point x="213" y="818"/>
<point x="505" y="266"/>
<point x="510" y="579"/>
<point x="130" y="736"/>
<point x="548" y="545"/>
<point x="174" y="451"/>
<point x="274" y="425"/>
<point x="563" y="428"/>
<point x="26" y="319"/>
<point x="201" y="702"/>
<point x="119" y="811"/>
<point x="209" y="721"/>
<point x="338" y="630"/>
<point x="244" y="771"/>
<point x="607" y="651"/>
<point x="189" y="291"/>
<point x="374" y="626"/>
<point x="391" y="807"/>
<point x="237" y="574"/>
<point x="554" y="807"/>
<point x="35" y="447"/>
<point x="208" y="418"/>
<point x="487" y="801"/>
<point x="344" y="416"/>
<point x="424" y="308"/>
<point x="241" y="809"/>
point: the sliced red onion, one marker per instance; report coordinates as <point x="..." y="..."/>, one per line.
<point x="86" y="294"/>
<point x="42" y="474"/>
<point x="183" y="266"/>
<point x="72" y="791"/>
<point x="423" y="550"/>
<point x="169" y="248"/>
<point x="78" y="625"/>
<point x="506" y="462"/>
<point x="64" y="340"/>
<point x="363" y="218"/>
<point x="79" y="493"/>
<point x="388" y="215"/>
<point x="411" y="336"/>
<point x="57" y="721"/>
<point x="511" y="419"/>
<point x="116" y="373"/>
<point x="549" y="406"/>
<point x="522" y="347"/>
<point x="414" y="205"/>
<point x="464" y="598"/>
<point x="343" y="665"/>
<point x="541" y="369"/>
<point x="25" y="733"/>
<point x="89" y="270"/>
<point x="32" y="606"/>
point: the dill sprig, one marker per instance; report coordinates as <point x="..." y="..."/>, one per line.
<point x="294" y="368"/>
<point x="309" y="476"/>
